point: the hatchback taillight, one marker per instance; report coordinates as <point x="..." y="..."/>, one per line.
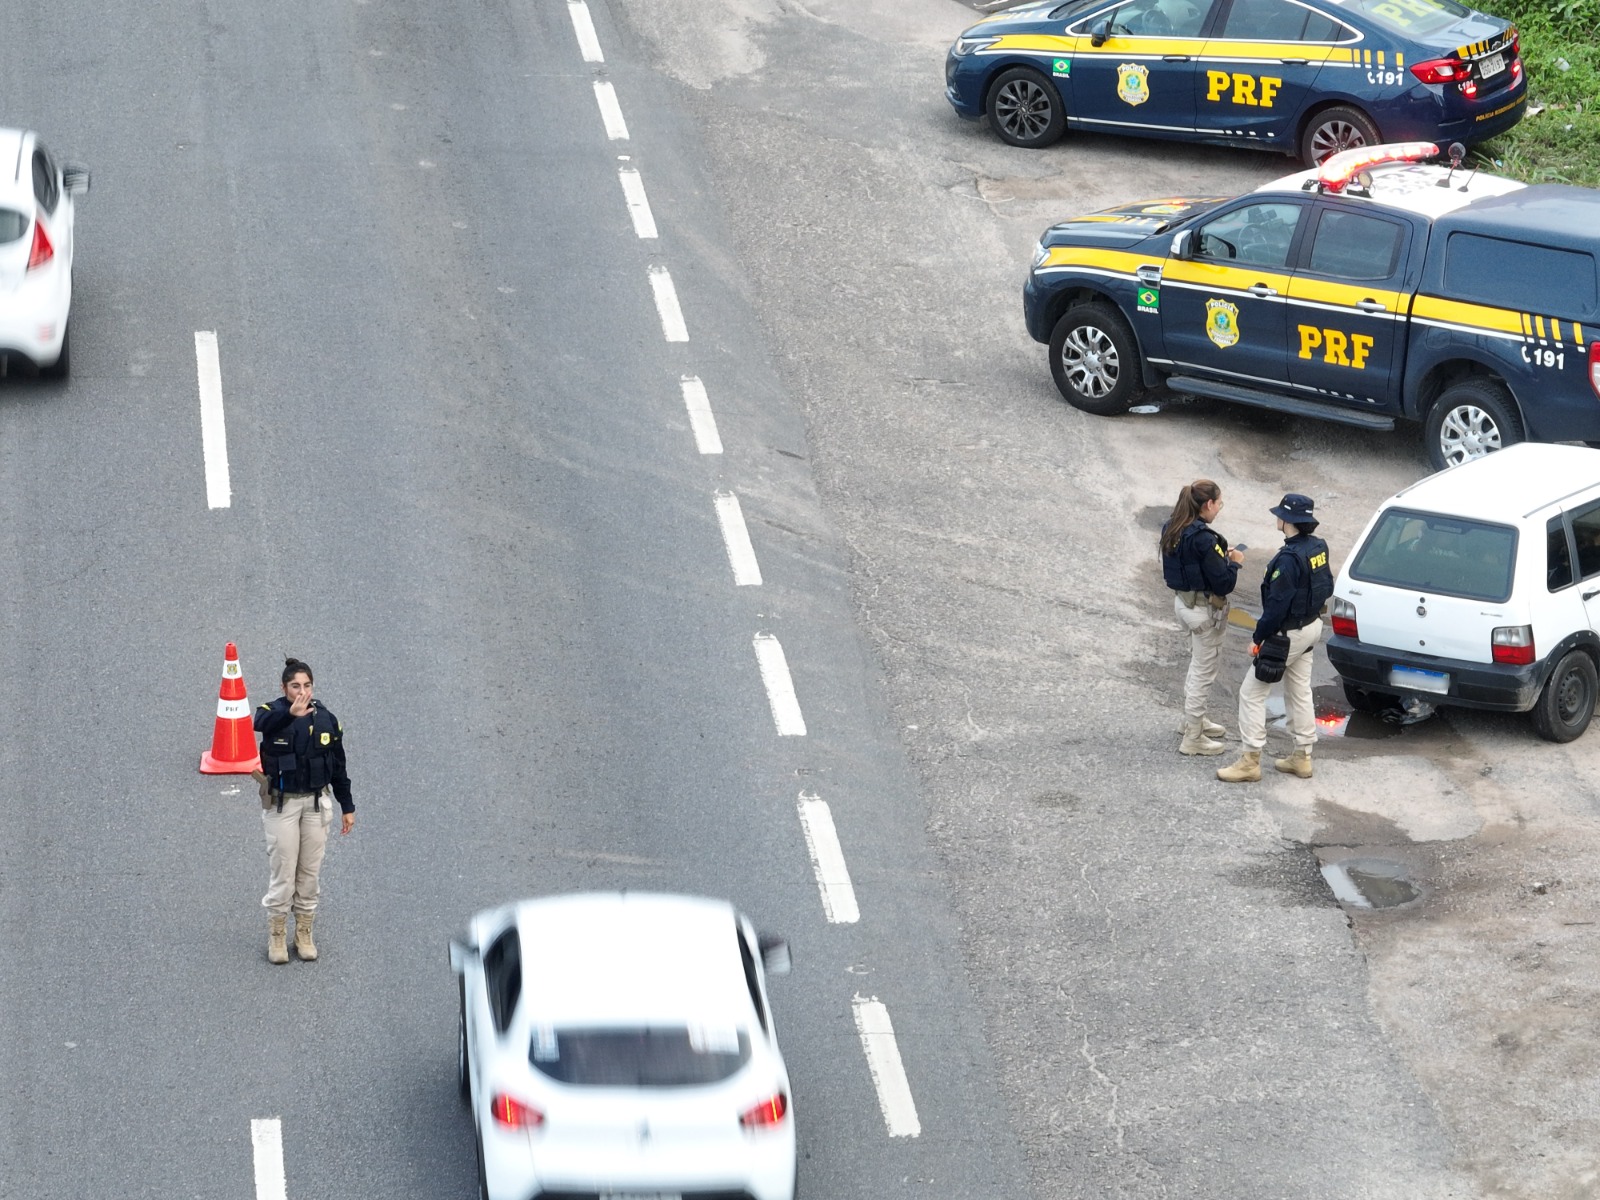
<point x="1513" y="645"/>
<point x="1594" y="367"/>
<point x="42" y="251"/>
<point x="1442" y="70"/>
<point x="511" y="1113"/>
<point x="769" y="1112"/>
<point x="1344" y="618"/>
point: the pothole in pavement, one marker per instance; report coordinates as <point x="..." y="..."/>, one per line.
<point x="1370" y="883"/>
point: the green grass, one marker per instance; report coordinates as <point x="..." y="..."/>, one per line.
<point x="1559" y="143"/>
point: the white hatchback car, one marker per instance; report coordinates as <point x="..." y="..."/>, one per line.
<point x="1480" y="587"/>
<point x="36" y="217"/>
<point x="619" y="1046"/>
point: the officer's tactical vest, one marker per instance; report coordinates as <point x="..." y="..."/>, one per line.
<point x="1181" y="569"/>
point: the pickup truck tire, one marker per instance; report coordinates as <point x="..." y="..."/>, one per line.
<point x="1566" y="705"/>
<point x="1335" y="129"/>
<point x="1470" y="419"/>
<point x="1025" y="109"/>
<point x="1095" y="360"/>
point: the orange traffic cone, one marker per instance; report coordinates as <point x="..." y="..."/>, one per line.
<point x="233" y="743"/>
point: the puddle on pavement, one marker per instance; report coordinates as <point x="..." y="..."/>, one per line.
<point x="1370" y="883"/>
<point x="1334" y="718"/>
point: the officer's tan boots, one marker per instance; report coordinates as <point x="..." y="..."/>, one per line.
<point x="303" y="945"/>
<point x="1246" y="770"/>
<point x="1210" y="728"/>
<point x="1195" y="740"/>
<point x="277" y="939"/>
<point x="1298" y="763"/>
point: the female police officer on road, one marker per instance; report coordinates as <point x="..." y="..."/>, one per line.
<point x="1297" y="584"/>
<point x="1201" y="570"/>
<point x="302" y="756"/>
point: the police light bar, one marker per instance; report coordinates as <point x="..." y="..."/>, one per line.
<point x="1339" y="169"/>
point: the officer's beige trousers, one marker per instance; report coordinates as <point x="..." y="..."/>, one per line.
<point x="1296" y="695"/>
<point x="297" y="838"/>
<point x="1205" y="626"/>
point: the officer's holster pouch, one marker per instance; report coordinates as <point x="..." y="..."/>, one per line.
<point x="1273" y="658"/>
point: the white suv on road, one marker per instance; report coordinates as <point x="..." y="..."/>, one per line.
<point x="1480" y="587"/>
<point x="37" y="206"/>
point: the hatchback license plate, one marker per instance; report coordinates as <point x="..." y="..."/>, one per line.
<point x="641" y="1196"/>
<point x="1491" y="65"/>
<point x="1420" y="681"/>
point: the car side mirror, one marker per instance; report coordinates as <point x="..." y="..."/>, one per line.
<point x="461" y="955"/>
<point x="1100" y="31"/>
<point x="75" y="179"/>
<point x="1183" y="244"/>
<point x="775" y="955"/>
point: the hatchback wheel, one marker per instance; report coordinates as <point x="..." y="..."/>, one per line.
<point x="1472" y="418"/>
<point x="1335" y="129"/>
<point x="1567" y="702"/>
<point x="1025" y="109"/>
<point x="1095" y="360"/>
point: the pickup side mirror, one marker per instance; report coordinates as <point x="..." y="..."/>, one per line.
<point x="1100" y="31"/>
<point x="1183" y="244"/>
<point x="461" y="955"/>
<point x="75" y="179"/>
<point x="775" y="955"/>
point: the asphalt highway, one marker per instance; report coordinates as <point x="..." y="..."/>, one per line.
<point x="464" y="485"/>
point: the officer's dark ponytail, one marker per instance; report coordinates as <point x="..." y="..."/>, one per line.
<point x="293" y="667"/>
<point x="1187" y="511"/>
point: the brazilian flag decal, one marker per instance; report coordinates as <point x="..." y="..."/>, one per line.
<point x="1149" y="300"/>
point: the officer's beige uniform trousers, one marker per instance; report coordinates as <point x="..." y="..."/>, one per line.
<point x="1205" y="626"/>
<point x="1296" y="694"/>
<point x="297" y="839"/>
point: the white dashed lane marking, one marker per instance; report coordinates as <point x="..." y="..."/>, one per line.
<point x="775" y="678"/>
<point x="672" y="326"/>
<point x="213" y="428"/>
<point x="610" y="111"/>
<point x="827" y="860"/>
<point x="888" y="1072"/>
<point x="266" y="1136"/>
<point x="644" y="221"/>
<point x="702" y="421"/>
<point x="583" y="26"/>
<point x="736" y="537"/>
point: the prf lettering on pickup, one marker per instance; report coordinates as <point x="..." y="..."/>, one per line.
<point x="1339" y="348"/>
<point x="1247" y="89"/>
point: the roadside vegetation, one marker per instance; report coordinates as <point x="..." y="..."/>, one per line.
<point x="1559" y="141"/>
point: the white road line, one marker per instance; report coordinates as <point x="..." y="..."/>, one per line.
<point x="610" y="111"/>
<point x="266" y="1136"/>
<point x="701" y="420"/>
<point x="672" y="325"/>
<point x="786" y="713"/>
<point x="213" y="428"/>
<point x="888" y="1073"/>
<point x="736" y="537"/>
<point x="827" y="860"/>
<point x="644" y="221"/>
<point x="583" y="26"/>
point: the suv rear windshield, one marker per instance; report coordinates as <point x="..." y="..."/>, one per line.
<point x="658" y="1056"/>
<point x="12" y="224"/>
<point x="1429" y="553"/>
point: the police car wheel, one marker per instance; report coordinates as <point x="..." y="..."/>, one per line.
<point x="1095" y="360"/>
<point x="1025" y="109"/>
<point x="1566" y="705"/>
<point x="1472" y="418"/>
<point x="1335" y="129"/>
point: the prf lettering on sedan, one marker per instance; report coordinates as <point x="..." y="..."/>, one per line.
<point x="1338" y="348"/>
<point x="1247" y="89"/>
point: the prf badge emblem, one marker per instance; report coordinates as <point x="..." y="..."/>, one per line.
<point x="1222" y="322"/>
<point x="1133" y="83"/>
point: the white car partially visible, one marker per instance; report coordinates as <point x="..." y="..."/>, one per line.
<point x="36" y="218"/>
<point x="619" y="1045"/>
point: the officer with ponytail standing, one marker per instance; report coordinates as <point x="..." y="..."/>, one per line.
<point x="1201" y="570"/>
<point x="302" y="757"/>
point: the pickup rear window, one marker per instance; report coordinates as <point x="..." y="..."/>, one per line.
<point x="1507" y="274"/>
<point x="1433" y="554"/>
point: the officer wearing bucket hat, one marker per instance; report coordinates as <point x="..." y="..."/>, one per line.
<point x="1297" y="584"/>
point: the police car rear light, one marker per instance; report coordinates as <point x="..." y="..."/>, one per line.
<point x="1442" y="70"/>
<point x="1594" y="367"/>
<point x="1339" y="169"/>
<point x="1513" y="645"/>
<point x="1344" y="619"/>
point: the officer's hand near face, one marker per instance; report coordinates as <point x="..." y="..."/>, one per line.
<point x="298" y="690"/>
<point x="346" y="825"/>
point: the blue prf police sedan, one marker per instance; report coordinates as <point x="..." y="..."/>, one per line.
<point x="1307" y="77"/>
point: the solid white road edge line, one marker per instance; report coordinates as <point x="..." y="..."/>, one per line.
<point x="610" y="111"/>
<point x="701" y="420"/>
<point x="213" y="428"/>
<point x="266" y="1135"/>
<point x="888" y="1073"/>
<point x="644" y="221"/>
<point x="583" y="26"/>
<point x="827" y="860"/>
<point x="780" y="688"/>
<point x="672" y="326"/>
<point x="736" y="537"/>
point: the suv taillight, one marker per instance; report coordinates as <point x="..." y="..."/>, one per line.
<point x="1442" y="70"/>
<point x="769" y="1112"/>
<point x="512" y="1113"/>
<point x="1513" y="645"/>
<point x="1344" y="618"/>
<point x="1594" y="367"/>
<point x="42" y="251"/>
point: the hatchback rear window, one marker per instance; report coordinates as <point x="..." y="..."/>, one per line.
<point x="657" y="1056"/>
<point x="12" y="224"/>
<point x="1432" y="554"/>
